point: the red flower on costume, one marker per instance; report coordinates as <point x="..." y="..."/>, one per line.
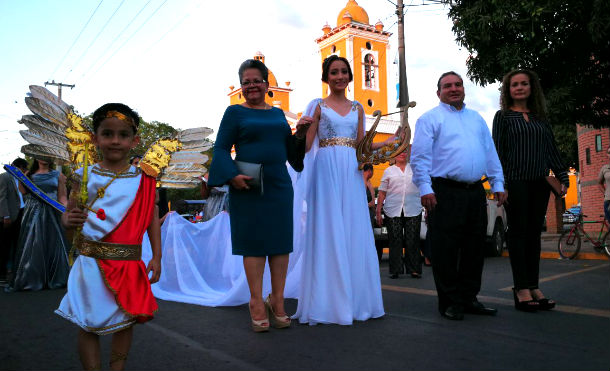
<point x="101" y="214"/>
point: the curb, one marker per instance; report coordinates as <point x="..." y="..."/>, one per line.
<point x="580" y="256"/>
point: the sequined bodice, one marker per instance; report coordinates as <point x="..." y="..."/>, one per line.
<point x="47" y="182"/>
<point x="334" y="125"/>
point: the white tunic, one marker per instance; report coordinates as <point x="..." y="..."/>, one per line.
<point x="89" y="303"/>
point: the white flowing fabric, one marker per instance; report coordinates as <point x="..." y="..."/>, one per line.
<point x="333" y="269"/>
<point x="340" y="279"/>
<point x="198" y="267"/>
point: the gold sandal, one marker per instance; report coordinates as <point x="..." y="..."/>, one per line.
<point x="259" y="325"/>
<point x="276" y="321"/>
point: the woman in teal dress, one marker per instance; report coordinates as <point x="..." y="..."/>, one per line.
<point x="41" y="260"/>
<point x="261" y="224"/>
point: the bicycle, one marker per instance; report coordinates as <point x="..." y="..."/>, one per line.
<point x="570" y="240"/>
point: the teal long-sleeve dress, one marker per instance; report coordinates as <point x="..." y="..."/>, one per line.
<point x="261" y="225"/>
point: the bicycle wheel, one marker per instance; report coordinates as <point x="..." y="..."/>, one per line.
<point x="606" y="244"/>
<point x="569" y="244"/>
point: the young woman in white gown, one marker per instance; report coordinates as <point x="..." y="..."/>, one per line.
<point x="340" y="280"/>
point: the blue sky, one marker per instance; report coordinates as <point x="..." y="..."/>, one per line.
<point x="174" y="60"/>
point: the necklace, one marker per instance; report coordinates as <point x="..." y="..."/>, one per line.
<point x="102" y="190"/>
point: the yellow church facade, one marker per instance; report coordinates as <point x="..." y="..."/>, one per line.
<point x="366" y="47"/>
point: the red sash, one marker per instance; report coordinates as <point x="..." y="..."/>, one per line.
<point x="127" y="279"/>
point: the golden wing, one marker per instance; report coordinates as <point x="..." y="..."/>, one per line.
<point x="178" y="162"/>
<point x="54" y="132"/>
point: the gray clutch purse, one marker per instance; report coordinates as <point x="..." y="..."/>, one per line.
<point x="252" y="170"/>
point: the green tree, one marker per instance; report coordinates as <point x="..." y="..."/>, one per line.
<point x="565" y="41"/>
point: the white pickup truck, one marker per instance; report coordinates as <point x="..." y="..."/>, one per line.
<point x="496" y="229"/>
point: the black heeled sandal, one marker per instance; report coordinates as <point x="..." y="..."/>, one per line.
<point x="546" y="304"/>
<point x="526" y="305"/>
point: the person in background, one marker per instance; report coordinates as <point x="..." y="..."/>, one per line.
<point x="11" y="211"/>
<point x="135" y="160"/>
<point x="217" y="199"/>
<point x="41" y="259"/>
<point x="604" y="186"/>
<point x="401" y="204"/>
<point x="527" y="149"/>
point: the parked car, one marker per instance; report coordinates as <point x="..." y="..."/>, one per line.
<point x="496" y="228"/>
<point x="571" y="215"/>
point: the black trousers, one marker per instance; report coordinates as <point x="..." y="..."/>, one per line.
<point x="456" y="229"/>
<point x="403" y="233"/>
<point x="8" y="244"/>
<point x="525" y="210"/>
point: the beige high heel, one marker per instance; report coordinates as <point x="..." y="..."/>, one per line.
<point x="259" y="325"/>
<point x="276" y="321"/>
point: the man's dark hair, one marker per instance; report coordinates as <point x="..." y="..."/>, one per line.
<point x="20" y="163"/>
<point x="438" y="84"/>
<point x="256" y="64"/>
<point x="367" y="167"/>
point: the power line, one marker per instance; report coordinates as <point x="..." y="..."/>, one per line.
<point x="115" y="39"/>
<point x="132" y="35"/>
<point x="94" y="39"/>
<point x="188" y="14"/>
<point x="77" y="37"/>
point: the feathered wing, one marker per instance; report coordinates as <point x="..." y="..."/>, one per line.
<point x="54" y="132"/>
<point x="178" y="162"/>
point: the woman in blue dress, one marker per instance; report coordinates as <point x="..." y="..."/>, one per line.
<point x="261" y="223"/>
<point x="41" y="260"/>
<point x="340" y="279"/>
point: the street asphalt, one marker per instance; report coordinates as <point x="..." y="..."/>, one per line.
<point x="411" y="336"/>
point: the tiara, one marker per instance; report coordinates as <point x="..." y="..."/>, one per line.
<point x="122" y="117"/>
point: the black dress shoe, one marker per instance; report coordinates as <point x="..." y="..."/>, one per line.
<point x="454" y="312"/>
<point x="415" y="275"/>
<point x="477" y="308"/>
<point x="394" y="276"/>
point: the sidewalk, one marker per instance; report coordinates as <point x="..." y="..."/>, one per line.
<point x="549" y="249"/>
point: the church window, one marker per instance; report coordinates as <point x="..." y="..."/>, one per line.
<point x="270" y="94"/>
<point x="333" y="49"/>
<point x="370" y="103"/>
<point x="368" y="45"/>
<point x="370" y="71"/>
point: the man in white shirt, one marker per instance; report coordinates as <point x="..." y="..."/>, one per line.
<point x="402" y="207"/>
<point x="452" y="151"/>
<point x="11" y="210"/>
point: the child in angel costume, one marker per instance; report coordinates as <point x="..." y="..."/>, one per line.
<point x="108" y="287"/>
<point x="111" y="206"/>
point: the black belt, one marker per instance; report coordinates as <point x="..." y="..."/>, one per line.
<point x="456" y="184"/>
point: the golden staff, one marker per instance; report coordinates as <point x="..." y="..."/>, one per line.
<point x="83" y="197"/>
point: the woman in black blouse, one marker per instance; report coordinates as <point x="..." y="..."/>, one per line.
<point x="526" y="147"/>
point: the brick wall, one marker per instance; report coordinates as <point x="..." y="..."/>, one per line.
<point x="591" y="157"/>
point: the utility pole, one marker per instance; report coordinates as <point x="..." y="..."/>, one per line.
<point x="403" y="92"/>
<point x="59" y="86"/>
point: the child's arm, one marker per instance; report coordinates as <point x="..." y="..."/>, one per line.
<point x="73" y="217"/>
<point x="154" y="235"/>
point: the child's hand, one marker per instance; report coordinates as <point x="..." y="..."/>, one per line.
<point x="154" y="265"/>
<point x="74" y="218"/>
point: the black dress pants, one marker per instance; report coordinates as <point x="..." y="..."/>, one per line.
<point x="456" y="229"/>
<point x="525" y="210"/>
<point x="403" y="233"/>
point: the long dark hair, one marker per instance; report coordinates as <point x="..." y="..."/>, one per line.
<point x="535" y="102"/>
<point x="35" y="166"/>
